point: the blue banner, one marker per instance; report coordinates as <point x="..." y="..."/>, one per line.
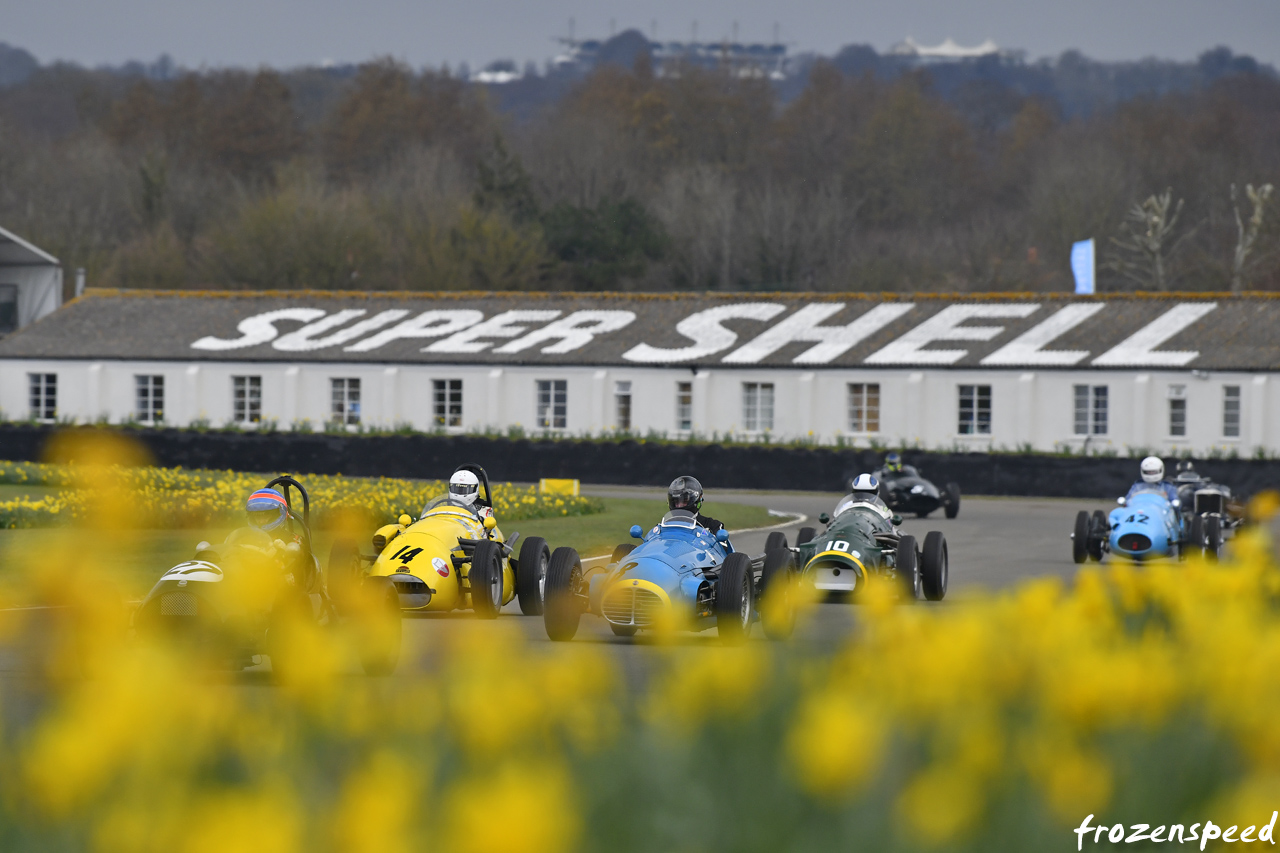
<point x="1082" y="265"/>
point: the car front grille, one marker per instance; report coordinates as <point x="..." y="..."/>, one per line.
<point x="630" y="605"/>
<point x="178" y="604"/>
<point x="1134" y="542"/>
<point x="1208" y="503"/>
<point x="410" y="586"/>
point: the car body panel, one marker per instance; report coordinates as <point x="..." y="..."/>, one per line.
<point x="1147" y="525"/>
<point x="844" y="555"/>
<point x="427" y="552"/>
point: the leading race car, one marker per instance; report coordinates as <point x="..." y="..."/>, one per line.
<point x="862" y="540"/>
<point x="1146" y="524"/>
<point x="453" y="557"/>
<point x="905" y="490"/>
<point x="679" y="576"/>
<point x="258" y="595"/>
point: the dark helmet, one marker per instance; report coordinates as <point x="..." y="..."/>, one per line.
<point x="893" y="462"/>
<point x="685" y="493"/>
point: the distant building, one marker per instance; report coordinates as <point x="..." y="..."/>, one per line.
<point x="30" y="283"/>
<point x="948" y="51"/>
<point x="769" y="61"/>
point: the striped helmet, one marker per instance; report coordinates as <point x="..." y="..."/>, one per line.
<point x="267" y="509"/>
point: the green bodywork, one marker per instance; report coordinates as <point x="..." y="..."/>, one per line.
<point x="858" y="541"/>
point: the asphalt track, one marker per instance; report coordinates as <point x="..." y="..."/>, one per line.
<point x="993" y="543"/>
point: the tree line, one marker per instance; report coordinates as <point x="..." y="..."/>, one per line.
<point x="394" y="178"/>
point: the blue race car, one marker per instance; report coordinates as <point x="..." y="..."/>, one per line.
<point x="680" y="575"/>
<point x="1145" y="525"/>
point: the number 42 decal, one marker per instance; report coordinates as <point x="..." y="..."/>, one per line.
<point x="405" y="554"/>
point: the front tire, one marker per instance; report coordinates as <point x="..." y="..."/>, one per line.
<point x="486" y="579"/>
<point x="907" y="565"/>
<point x="562" y="604"/>
<point x="1213" y="537"/>
<point x="777" y="594"/>
<point x="620" y="552"/>
<point x="1097" y="533"/>
<point x="951" y="499"/>
<point x="805" y="536"/>
<point x="1080" y="538"/>
<point x="934" y="568"/>
<point x="378" y="626"/>
<point x="734" y="599"/>
<point x="531" y="574"/>
<point x="777" y="539"/>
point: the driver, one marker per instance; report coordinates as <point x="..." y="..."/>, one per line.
<point x="686" y="493"/>
<point x="464" y="490"/>
<point x="269" y="512"/>
<point x="891" y="468"/>
<point x="1152" y="470"/>
<point x="865" y="490"/>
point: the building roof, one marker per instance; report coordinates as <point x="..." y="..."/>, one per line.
<point x="14" y="251"/>
<point x="1006" y="330"/>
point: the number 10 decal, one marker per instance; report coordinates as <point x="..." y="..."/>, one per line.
<point x="838" y="545"/>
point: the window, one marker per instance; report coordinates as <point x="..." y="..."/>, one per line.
<point x="1231" y="411"/>
<point x="864" y="407"/>
<point x="1177" y="411"/>
<point x="346" y="401"/>
<point x="8" y="308"/>
<point x="975" y="410"/>
<point x="757" y="406"/>
<point x="44" y="396"/>
<point x="1091" y="409"/>
<point x="448" y="402"/>
<point x="150" y="409"/>
<point x="684" y="406"/>
<point x="553" y="403"/>
<point x="246" y="399"/>
<point x="622" y="405"/>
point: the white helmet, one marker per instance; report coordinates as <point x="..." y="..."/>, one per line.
<point x="864" y="483"/>
<point x="464" y="486"/>
<point x="1152" y="469"/>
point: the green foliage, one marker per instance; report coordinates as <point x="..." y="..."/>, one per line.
<point x="605" y="244"/>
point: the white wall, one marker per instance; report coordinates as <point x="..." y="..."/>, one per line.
<point x="917" y="406"/>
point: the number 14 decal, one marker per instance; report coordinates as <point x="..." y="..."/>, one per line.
<point x="405" y="554"/>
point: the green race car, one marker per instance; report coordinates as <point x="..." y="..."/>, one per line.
<point x="861" y="540"/>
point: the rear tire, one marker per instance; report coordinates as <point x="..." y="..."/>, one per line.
<point x="1080" y="538"/>
<point x="1213" y="537"/>
<point x="777" y="539"/>
<point x="486" y="579"/>
<point x="951" y="499"/>
<point x="908" y="567"/>
<point x="620" y="552"/>
<point x="777" y="593"/>
<point x="733" y="601"/>
<point x="378" y="626"/>
<point x="531" y="574"/>
<point x="344" y="572"/>
<point x="805" y="535"/>
<point x="562" y="605"/>
<point x="934" y="568"/>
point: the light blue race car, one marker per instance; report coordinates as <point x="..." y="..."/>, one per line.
<point x="680" y="575"/>
<point x="1147" y="524"/>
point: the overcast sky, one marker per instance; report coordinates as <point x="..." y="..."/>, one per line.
<point x="295" y="32"/>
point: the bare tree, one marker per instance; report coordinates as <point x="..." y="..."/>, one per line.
<point x="1145" y="246"/>
<point x="1247" y="233"/>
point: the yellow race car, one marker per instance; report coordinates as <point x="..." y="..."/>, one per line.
<point x="452" y="558"/>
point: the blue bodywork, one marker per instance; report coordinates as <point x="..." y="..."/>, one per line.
<point x="674" y="556"/>
<point x="1148" y="525"/>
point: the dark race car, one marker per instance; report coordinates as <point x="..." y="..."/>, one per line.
<point x="1208" y="510"/>
<point x="906" y="491"/>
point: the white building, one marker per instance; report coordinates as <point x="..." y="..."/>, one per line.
<point x="30" y="283"/>
<point x="1168" y="373"/>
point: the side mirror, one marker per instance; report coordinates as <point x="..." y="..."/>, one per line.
<point x="1121" y="501"/>
<point x="722" y="536"/>
<point x="897" y="519"/>
<point x="637" y="532"/>
<point x="490" y="522"/>
<point x="824" y="518"/>
<point x="404" y="520"/>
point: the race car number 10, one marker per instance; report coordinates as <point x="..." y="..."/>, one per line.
<point x="838" y="545"/>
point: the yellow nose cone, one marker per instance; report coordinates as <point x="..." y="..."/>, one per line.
<point x="490" y="522"/>
<point x="405" y="520"/>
